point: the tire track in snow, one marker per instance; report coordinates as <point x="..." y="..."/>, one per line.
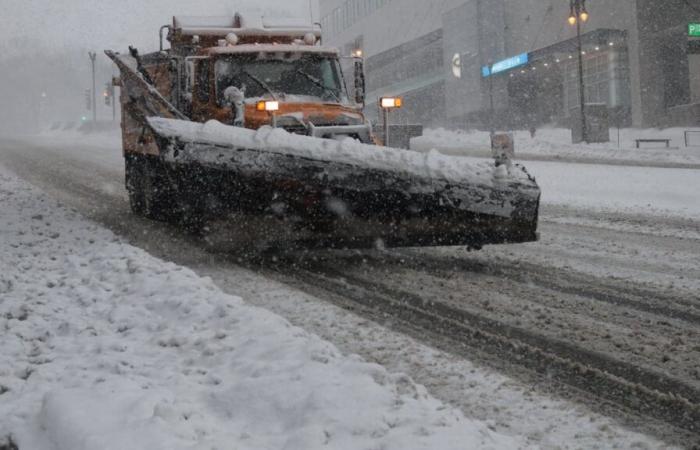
<point x="634" y="297"/>
<point x="647" y="392"/>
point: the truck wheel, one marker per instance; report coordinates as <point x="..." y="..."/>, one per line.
<point x="133" y="183"/>
<point x="156" y="191"/>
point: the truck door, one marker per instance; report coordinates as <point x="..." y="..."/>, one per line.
<point x="202" y="86"/>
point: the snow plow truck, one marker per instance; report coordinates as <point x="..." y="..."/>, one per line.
<point x="248" y="124"/>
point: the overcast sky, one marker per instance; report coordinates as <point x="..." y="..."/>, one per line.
<point x="115" y="23"/>
<point x="44" y="67"/>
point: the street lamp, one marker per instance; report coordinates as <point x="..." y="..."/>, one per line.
<point x="579" y="15"/>
<point x="387" y="104"/>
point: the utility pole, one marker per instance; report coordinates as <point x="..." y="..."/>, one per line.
<point x="577" y="16"/>
<point x="93" y="57"/>
<point x="491" y="107"/>
<point x="386" y="127"/>
<point x="581" y="86"/>
<point x="109" y="99"/>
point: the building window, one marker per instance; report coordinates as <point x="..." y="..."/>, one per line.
<point x="605" y="79"/>
<point x="348" y="14"/>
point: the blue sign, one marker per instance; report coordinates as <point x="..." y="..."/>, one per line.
<point x="506" y="64"/>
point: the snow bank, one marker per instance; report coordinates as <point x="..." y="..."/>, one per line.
<point x="106" y="347"/>
<point x="647" y="191"/>
<point x="555" y="144"/>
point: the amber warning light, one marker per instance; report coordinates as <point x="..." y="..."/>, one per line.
<point x="390" y="102"/>
<point x="268" y="106"/>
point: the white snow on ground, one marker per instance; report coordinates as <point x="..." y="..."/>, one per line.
<point x="106" y="347"/>
<point x="508" y="406"/>
<point x="623" y="189"/>
<point x="555" y="143"/>
<point x="512" y="406"/>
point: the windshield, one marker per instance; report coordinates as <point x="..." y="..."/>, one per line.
<point x="281" y="75"/>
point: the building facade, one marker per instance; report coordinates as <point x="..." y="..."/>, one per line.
<point x="513" y="63"/>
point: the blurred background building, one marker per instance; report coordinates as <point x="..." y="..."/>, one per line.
<point x="452" y="59"/>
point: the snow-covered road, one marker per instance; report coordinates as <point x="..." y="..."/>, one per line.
<point x="639" y="247"/>
<point x="106" y="347"/>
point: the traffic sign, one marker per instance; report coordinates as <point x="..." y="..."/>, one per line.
<point x="694" y="29"/>
<point x="505" y="65"/>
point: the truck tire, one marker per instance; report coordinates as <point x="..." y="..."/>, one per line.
<point x="157" y="192"/>
<point x="134" y="189"/>
<point x="149" y="189"/>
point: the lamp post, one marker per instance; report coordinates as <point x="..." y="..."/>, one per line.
<point x="93" y="56"/>
<point x="579" y="15"/>
<point x="492" y="115"/>
<point x="109" y="99"/>
<point x="386" y="104"/>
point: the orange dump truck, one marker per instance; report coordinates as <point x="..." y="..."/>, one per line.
<point x="250" y="123"/>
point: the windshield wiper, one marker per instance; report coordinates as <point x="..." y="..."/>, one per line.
<point x="318" y="83"/>
<point x="260" y="83"/>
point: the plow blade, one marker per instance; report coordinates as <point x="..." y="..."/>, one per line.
<point x="279" y="189"/>
<point x="269" y="188"/>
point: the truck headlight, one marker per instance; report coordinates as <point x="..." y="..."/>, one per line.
<point x="268" y="106"/>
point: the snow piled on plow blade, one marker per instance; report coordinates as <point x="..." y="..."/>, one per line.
<point x="454" y="182"/>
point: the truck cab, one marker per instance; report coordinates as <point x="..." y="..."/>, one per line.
<point x="265" y="74"/>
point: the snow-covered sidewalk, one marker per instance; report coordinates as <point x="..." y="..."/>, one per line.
<point x="554" y="144"/>
<point x="105" y="347"/>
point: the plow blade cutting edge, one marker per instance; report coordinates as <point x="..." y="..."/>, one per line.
<point x="277" y="188"/>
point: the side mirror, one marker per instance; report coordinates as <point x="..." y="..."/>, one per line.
<point x="235" y="99"/>
<point x="234" y="95"/>
<point x="359" y="82"/>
